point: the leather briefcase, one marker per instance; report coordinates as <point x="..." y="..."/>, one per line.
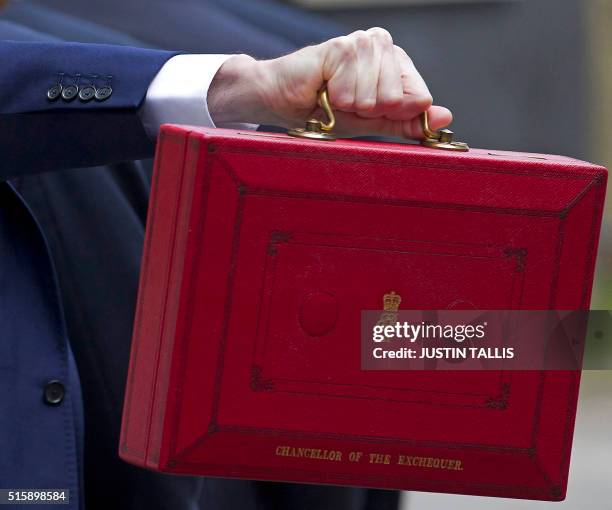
<point x="260" y="254"/>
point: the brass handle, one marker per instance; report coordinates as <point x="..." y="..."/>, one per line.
<point x="317" y="129"/>
<point x="442" y="139"/>
<point x="425" y="124"/>
<point x="324" y="103"/>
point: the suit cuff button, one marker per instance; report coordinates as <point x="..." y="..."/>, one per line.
<point x="103" y="93"/>
<point x="70" y="92"/>
<point x="87" y="93"/>
<point x="54" y="92"/>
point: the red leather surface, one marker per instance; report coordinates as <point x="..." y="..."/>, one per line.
<point x="262" y="251"/>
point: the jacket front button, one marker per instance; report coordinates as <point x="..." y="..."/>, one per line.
<point x="70" y="92"/>
<point x="103" y="93"/>
<point x="54" y="92"/>
<point x="54" y="393"/>
<point x="87" y="93"/>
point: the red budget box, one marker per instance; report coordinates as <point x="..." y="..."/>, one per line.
<point x="261" y="252"/>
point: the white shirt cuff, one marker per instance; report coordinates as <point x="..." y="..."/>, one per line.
<point x="178" y="94"/>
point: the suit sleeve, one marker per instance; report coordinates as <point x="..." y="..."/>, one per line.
<point x="69" y="105"/>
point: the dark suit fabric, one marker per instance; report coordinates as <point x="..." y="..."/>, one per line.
<point x="91" y="221"/>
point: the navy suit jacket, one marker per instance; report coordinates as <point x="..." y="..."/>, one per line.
<point x="41" y="431"/>
<point x="93" y="220"/>
<point x="65" y="132"/>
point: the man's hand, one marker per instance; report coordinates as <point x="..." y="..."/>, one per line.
<point x="373" y="87"/>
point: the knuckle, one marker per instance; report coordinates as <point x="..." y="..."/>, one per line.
<point x="344" y="46"/>
<point x="361" y="38"/>
<point x="381" y="35"/>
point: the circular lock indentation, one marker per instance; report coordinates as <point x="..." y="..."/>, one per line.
<point x="318" y="313"/>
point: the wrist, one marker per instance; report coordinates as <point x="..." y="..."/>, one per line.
<point x="237" y="93"/>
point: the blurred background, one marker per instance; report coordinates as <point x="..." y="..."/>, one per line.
<point x="530" y="75"/>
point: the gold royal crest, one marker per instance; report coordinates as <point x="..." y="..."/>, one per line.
<point x="391" y="303"/>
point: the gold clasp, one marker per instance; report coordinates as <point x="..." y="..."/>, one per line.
<point x="442" y="139"/>
<point x="318" y="129"/>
